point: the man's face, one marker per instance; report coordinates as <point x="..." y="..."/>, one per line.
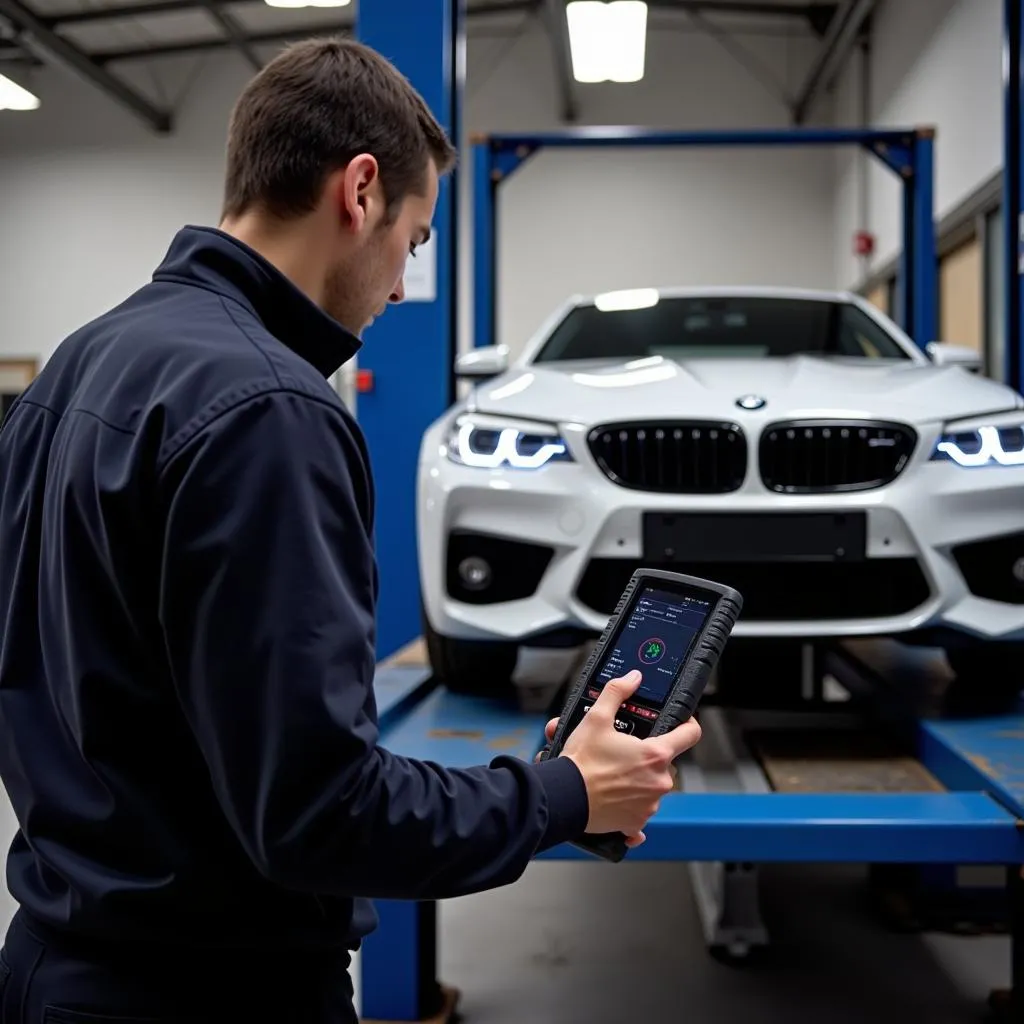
<point x="369" y="274"/>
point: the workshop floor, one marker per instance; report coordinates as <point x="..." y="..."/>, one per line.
<point x="569" y="944"/>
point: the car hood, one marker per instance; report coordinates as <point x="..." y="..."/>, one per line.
<point x="800" y="386"/>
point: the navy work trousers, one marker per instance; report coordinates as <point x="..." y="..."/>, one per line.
<point x="48" y="979"/>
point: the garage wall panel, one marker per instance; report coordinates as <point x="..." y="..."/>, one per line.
<point x="879" y="298"/>
<point x="935" y="62"/>
<point x="92" y="196"/>
<point x="961" y="309"/>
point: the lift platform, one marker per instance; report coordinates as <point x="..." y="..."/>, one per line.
<point x="851" y="781"/>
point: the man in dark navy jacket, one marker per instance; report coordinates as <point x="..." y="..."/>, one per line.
<point x="187" y="726"/>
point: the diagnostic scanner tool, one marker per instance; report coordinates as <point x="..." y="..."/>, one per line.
<point x="673" y="629"/>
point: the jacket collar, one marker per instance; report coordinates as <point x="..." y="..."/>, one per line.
<point x="218" y="261"/>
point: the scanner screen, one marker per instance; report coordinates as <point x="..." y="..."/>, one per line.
<point x="655" y="638"/>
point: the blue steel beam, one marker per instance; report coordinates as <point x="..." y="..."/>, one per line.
<point x="461" y="731"/>
<point x="909" y="153"/>
<point x="398" y="964"/>
<point x="410" y="351"/>
<point x="978" y="754"/>
<point x="919" y="258"/>
<point x="485" y="262"/>
<point x="898" y="157"/>
<point x="1013" y="191"/>
<point x="629" y="135"/>
<point x="397" y="691"/>
<point x="491" y="164"/>
<point x="894" y="147"/>
<point x="832" y="828"/>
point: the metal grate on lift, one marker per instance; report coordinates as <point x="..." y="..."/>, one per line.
<point x="838" y="761"/>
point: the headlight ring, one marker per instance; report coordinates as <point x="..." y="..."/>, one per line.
<point x="986" y="445"/>
<point x="505" y="444"/>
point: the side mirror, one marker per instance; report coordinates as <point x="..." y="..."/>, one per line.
<point x="480" y="363"/>
<point x="942" y="353"/>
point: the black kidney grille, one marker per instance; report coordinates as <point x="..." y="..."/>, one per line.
<point x="672" y="457"/>
<point x="838" y="455"/>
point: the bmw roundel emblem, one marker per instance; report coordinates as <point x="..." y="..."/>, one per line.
<point x="751" y="402"/>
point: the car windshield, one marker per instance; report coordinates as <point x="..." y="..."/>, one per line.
<point x="716" y="327"/>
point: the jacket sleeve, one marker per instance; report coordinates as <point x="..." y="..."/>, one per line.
<point x="267" y="607"/>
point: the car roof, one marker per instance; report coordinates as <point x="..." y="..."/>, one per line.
<point x="731" y="291"/>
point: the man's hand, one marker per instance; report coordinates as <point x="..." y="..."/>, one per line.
<point x="625" y="777"/>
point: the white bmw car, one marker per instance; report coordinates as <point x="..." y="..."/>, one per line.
<point x="796" y="445"/>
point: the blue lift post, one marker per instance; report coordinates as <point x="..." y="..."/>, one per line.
<point x="410" y="354"/>
<point x="908" y="153"/>
<point x="411" y="351"/>
<point x="1013" y="191"/>
<point x="1013" y="270"/>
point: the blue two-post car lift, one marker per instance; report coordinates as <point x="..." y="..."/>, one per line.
<point x="968" y="804"/>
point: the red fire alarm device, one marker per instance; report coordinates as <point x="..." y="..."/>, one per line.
<point x="863" y="243"/>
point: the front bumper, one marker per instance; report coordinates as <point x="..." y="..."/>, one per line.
<point x="942" y="545"/>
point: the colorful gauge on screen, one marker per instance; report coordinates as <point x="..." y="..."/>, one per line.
<point x="652" y="651"/>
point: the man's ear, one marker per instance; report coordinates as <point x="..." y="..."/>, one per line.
<point x="358" y="193"/>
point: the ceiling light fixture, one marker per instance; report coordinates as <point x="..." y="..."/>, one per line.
<point x="14" y="97"/>
<point x="607" y="41"/>
<point x="307" y="3"/>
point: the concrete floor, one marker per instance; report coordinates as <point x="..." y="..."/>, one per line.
<point x="567" y="945"/>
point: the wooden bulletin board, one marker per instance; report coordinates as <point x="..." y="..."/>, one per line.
<point x="961" y="314"/>
<point x="879" y="297"/>
<point x="17" y="374"/>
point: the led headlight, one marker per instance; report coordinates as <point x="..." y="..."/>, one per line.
<point x="990" y="441"/>
<point x="493" y="443"/>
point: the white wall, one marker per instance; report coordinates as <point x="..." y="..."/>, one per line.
<point x="933" y="62"/>
<point x="92" y="197"/>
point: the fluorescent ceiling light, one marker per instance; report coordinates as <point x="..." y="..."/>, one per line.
<point x="14" y="97"/>
<point x="307" y="3"/>
<point x="630" y="298"/>
<point x="607" y="41"/>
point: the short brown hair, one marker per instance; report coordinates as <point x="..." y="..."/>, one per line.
<point x="310" y="111"/>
